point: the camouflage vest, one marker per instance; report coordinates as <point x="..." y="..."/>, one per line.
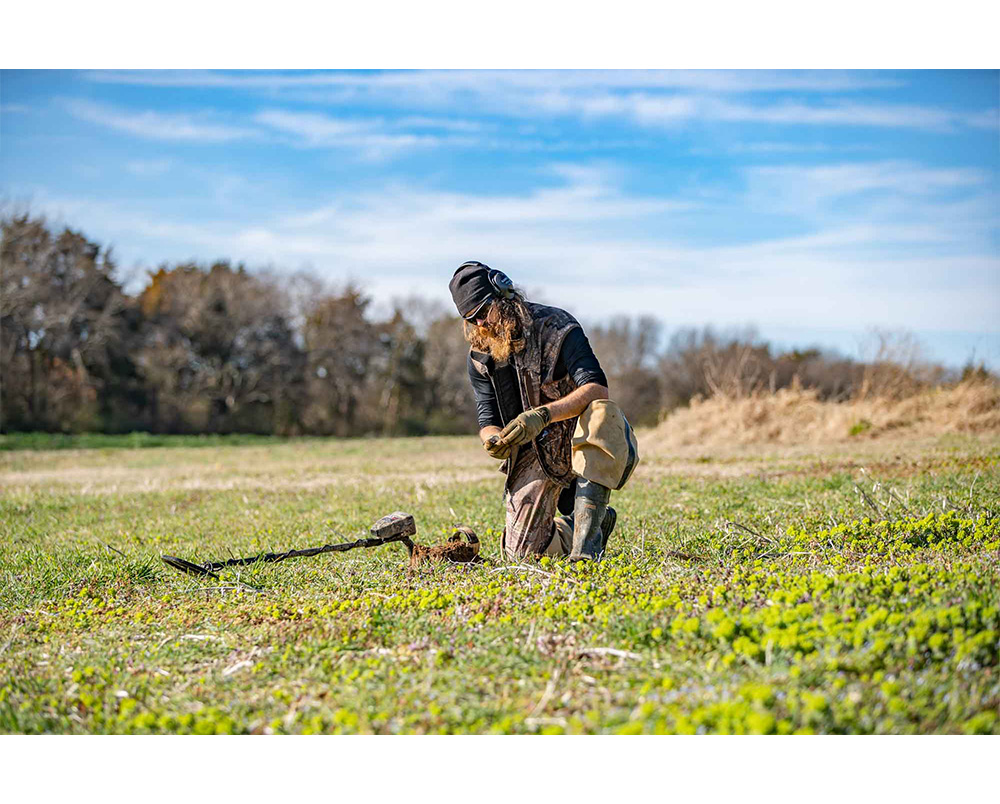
<point x="535" y="366"/>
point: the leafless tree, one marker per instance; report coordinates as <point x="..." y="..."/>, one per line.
<point x="218" y="348"/>
<point x="627" y="349"/>
<point x="339" y="344"/>
<point x="218" y="352"/>
<point x="65" y="327"/>
<point x="449" y="402"/>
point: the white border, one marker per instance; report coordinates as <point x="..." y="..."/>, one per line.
<point x="487" y="769"/>
<point x="515" y="33"/>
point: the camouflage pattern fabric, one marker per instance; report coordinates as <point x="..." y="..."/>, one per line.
<point x="532" y="527"/>
<point x="535" y="368"/>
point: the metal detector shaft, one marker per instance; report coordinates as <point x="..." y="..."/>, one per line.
<point x="311" y="551"/>
<point x="396" y="527"/>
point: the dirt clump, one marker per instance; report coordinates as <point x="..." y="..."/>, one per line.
<point x="455" y="550"/>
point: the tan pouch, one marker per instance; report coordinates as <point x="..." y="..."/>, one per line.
<point x="604" y="448"/>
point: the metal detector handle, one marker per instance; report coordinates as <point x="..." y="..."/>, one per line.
<point x="395" y="527"/>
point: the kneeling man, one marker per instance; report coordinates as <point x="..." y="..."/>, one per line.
<point x="543" y="408"/>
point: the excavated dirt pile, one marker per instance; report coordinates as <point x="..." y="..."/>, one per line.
<point x="797" y="416"/>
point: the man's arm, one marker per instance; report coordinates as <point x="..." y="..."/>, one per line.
<point x="577" y="360"/>
<point x="529" y="424"/>
<point x="575" y="402"/>
<point x="487" y="407"/>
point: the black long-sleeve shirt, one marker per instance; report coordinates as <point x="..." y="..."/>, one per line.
<point x="576" y="358"/>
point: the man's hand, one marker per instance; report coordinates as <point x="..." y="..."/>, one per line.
<point x="496" y="448"/>
<point x="526" y="427"/>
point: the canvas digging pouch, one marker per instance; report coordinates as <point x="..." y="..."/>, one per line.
<point x="604" y="447"/>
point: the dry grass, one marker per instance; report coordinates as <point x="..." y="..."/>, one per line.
<point x="797" y="416"/>
<point x="365" y="465"/>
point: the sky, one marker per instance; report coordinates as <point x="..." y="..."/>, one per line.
<point x="811" y="205"/>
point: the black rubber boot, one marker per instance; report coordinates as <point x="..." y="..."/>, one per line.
<point x="608" y="526"/>
<point x="589" y="510"/>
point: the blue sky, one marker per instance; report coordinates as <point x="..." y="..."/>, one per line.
<point x="813" y="205"/>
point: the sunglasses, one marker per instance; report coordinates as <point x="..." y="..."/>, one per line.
<point x="480" y="313"/>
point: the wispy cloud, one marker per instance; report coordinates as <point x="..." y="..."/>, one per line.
<point x="817" y="198"/>
<point x="849" y="114"/>
<point x="435" y="82"/>
<point x="370" y="136"/>
<point x="444" y="124"/>
<point x="646" y="97"/>
<point x="315" y="129"/>
<point x="763" y="148"/>
<point x="674" y="110"/>
<point x="836" y="180"/>
<point x="586" y="195"/>
<point x="571" y="241"/>
<point x="373" y="137"/>
<point x="904" y="201"/>
<point x="175" y="127"/>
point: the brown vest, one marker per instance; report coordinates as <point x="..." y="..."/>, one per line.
<point x="535" y="366"/>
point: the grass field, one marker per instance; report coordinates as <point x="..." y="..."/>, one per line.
<point x="745" y="591"/>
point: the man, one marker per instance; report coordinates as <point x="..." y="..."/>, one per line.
<point x="534" y="373"/>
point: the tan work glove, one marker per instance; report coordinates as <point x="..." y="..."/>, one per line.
<point x="526" y="427"/>
<point x="497" y="448"/>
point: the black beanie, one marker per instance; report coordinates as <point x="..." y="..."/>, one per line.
<point x="471" y="287"/>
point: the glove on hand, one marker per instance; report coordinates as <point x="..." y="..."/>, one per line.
<point x="526" y="427"/>
<point x="496" y="448"/>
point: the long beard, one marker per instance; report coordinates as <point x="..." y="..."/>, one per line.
<point x="500" y="339"/>
<point x="498" y="343"/>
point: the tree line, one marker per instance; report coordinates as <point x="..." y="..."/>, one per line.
<point x="220" y="349"/>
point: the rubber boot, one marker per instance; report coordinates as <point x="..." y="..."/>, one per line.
<point x="589" y="508"/>
<point x="607" y="526"/>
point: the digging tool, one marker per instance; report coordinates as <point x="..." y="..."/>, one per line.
<point x="395" y="527"/>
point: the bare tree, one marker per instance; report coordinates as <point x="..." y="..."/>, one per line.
<point x="895" y="365"/>
<point x="339" y="344"/>
<point x="219" y="349"/>
<point x="449" y="405"/>
<point x="65" y="327"/>
<point x="628" y="349"/>
<point x="219" y="352"/>
<point x="703" y="362"/>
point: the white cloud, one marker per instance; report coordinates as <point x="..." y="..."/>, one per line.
<point x="369" y="136"/>
<point x="846" y="114"/>
<point x="648" y="97"/>
<point x="372" y="137"/>
<point x="443" y="123"/>
<point x="586" y="196"/>
<point x="769" y="147"/>
<point x="315" y="129"/>
<point x="589" y="245"/>
<point x="831" y="181"/>
<point x="899" y="200"/>
<point x="436" y="82"/>
<point x="175" y="127"/>
<point x="673" y="110"/>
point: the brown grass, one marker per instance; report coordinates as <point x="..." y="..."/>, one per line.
<point x="366" y="464"/>
<point x="797" y="416"/>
